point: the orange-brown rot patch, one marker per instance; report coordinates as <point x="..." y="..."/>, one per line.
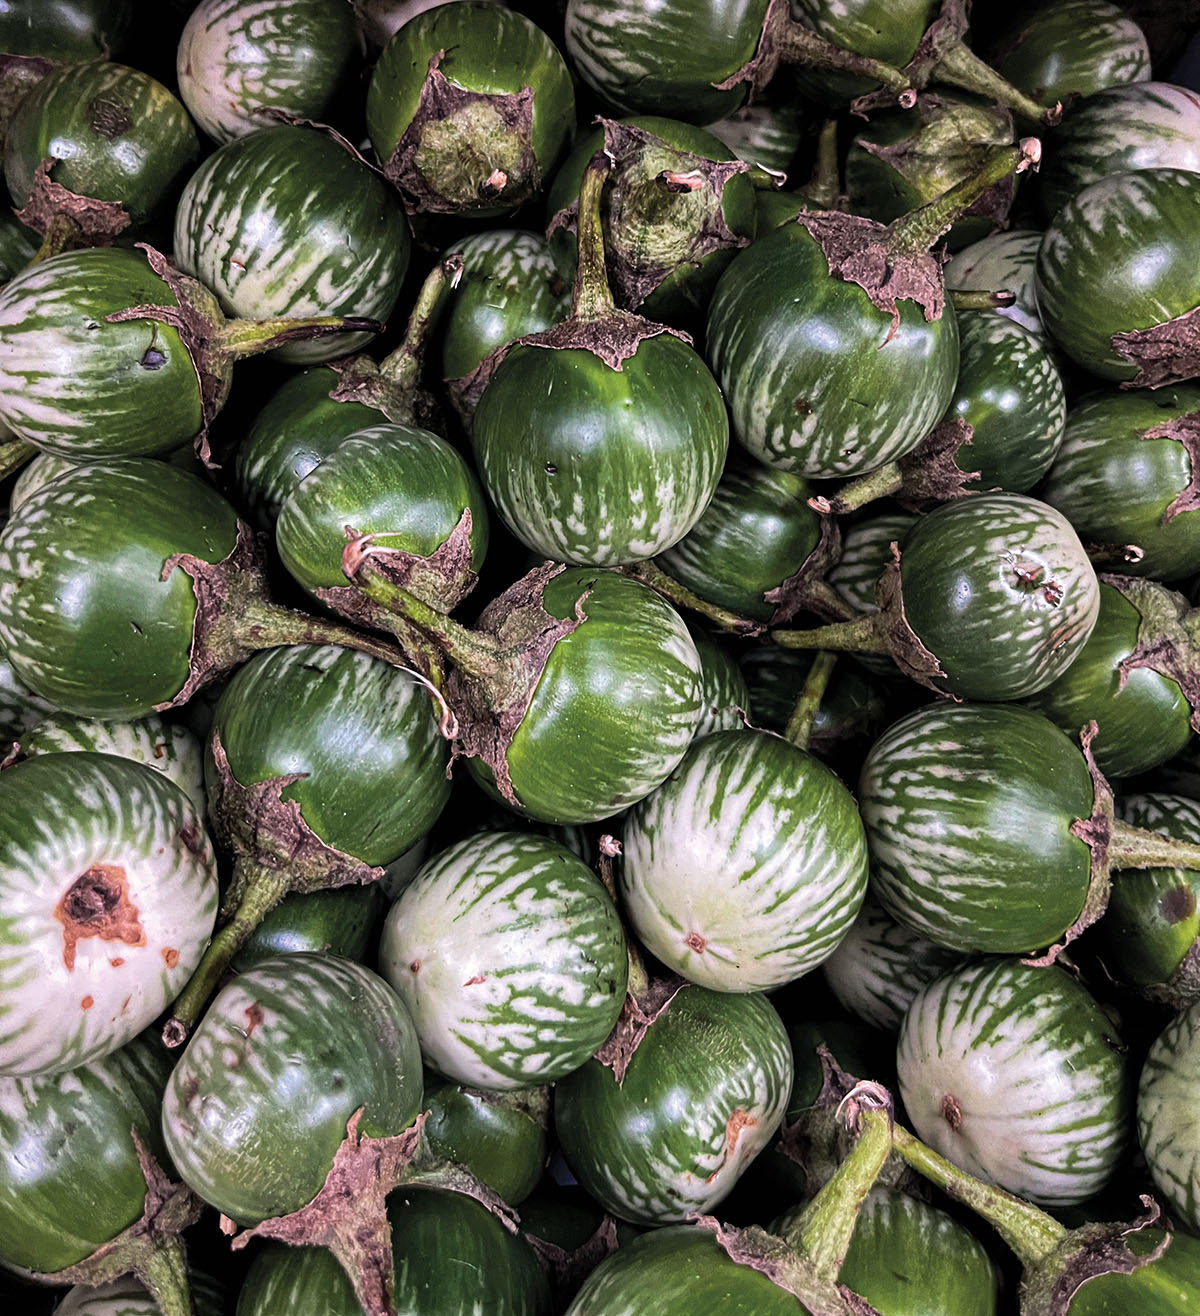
<point x="170" y="956"/>
<point x="473" y="982"/>
<point x="254" y="1016"/>
<point x="694" y="941"/>
<point x="97" y="904"/>
<point x="415" y="967"/>
<point x="86" y="1003"/>
<point x="117" y="962"/>
<point x="951" y="1112"/>
<point x="737" y="1121"/>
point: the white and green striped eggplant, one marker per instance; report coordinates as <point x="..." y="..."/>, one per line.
<point x="1168" y="1121"/>
<point x="258" y="1104"/>
<point x="20" y="709"/>
<point x="1001" y="262"/>
<point x="1116" y="267"/>
<point x="1071" y="49"/>
<point x="880" y="965"/>
<point x="69" y="1174"/>
<point x="109" y="890"/>
<point x="1139" y="125"/>
<point x="76" y="385"/>
<point x="287" y="222"/>
<point x="509" y="954"/>
<point x="968" y="811"/>
<point x="706" y="1087"/>
<point x="236" y="59"/>
<point x="724" y="695"/>
<point x="1018" y="1076"/>
<point x="747" y="866"/>
<point x="167" y="747"/>
<point x="41" y="470"/>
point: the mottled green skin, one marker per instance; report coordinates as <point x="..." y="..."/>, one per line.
<point x="511" y="958"/>
<point x="1166" y="1116"/>
<point x="509" y="286"/>
<point x="999" y="589"/>
<point x="595" y="466"/>
<point x="1116" y="485"/>
<point x="452" y="1258"/>
<point x="614" y="709"/>
<point x="883" y="29"/>
<point x="705" y="1089"/>
<point x="236" y="59"/>
<point x="652" y="228"/>
<point x="498" y="1138"/>
<point x="944" y="141"/>
<point x="908" y="1258"/>
<point x="87" y="393"/>
<point x="342" y="921"/>
<point x="1169" y="1286"/>
<point x="1072" y="48"/>
<point x="1037" y="1070"/>
<point x="1142" y="717"/>
<point x="1011" y="394"/>
<point x="69" y="1174"/>
<point x="361" y="732"/>
<point x="814" y="383"/>
<point x="1140" y="125"/>
<point x="1119" y="257"/>
<point x="487" y="49"/>
<point x="968" y="810"/>
<point x="65" y="29"/>
<point x="1151" y="921"/>
<point x="258" y="1103"/>
<point x="664" y="58"/>
<point x="406" y="485"/>
<point x="297" y="428"/>
<point x="725" y="699"/>
<point x="757" y="531"/>
<point x="118" y="135"/>
<point x="288" y="222"/>
<point x="682" y="1268"/>
<point x="93" y="627"/>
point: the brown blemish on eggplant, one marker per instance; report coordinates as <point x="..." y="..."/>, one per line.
<point x="254" y="1016"/>
<point x="734" y="1125"/>
<point x="170" y="956"/>
<point x="951" y="1112"/>
<point x="87" y="1003"/>
<point x="97" y="904"/>
<point x="1178" y="904"/>
<point x="694" y="941"/>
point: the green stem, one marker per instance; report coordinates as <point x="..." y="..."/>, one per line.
<point x="822" y="1231"/>
<point x="164" y="1272"/>
<point x="798" y="44"/>
<point x="825" y="185"/>
<point x="860" y="635"/>
<point x="1028" y="1231"/>
<point x="920" y="229"/>
<point x="402" y="367"/>
<point x="260" y="624"/>
<point x="961" y="67"/>
<point x="591" y="298"/>
<point x="240" y="338"/>
<point x="650" y="573"/>
<point x="14" y="453"/>
<point x="808" y="705"/>
<point x="470" y="651"/>
<point x="1134" y="847"/>
<point x="259" y="889"/>
<point x="61" y="233"/>
<point x="882" y="482"/>
<point x="971" y="299"/>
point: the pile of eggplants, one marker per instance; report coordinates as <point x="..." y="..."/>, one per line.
<point x="599" y="658"/>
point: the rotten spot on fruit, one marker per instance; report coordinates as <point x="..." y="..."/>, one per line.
<point x="737" y="1121"/>
<point x="170" y="956"/>
<point x="475" y="981"/>
<point x="109" y="119"/>
<point x="801" y="407"/>
<point x="86" y="1003"/>
<point x="97" y="904"/>
<point x="254" y="1016"/>
<point x="951" y="1112"/>
<point x="1178" y="904"/>
<point x="116" y="964"/>
<point x="415" y="967"/>
<point x="694" y="941"/>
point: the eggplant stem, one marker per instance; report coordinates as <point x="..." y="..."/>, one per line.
<point x="591" y="298"/>
<point x="678" y="594"/>
<point x="860" y="635"/>
<point x="800" y="725"/>
<point x="1135" y="847"/>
